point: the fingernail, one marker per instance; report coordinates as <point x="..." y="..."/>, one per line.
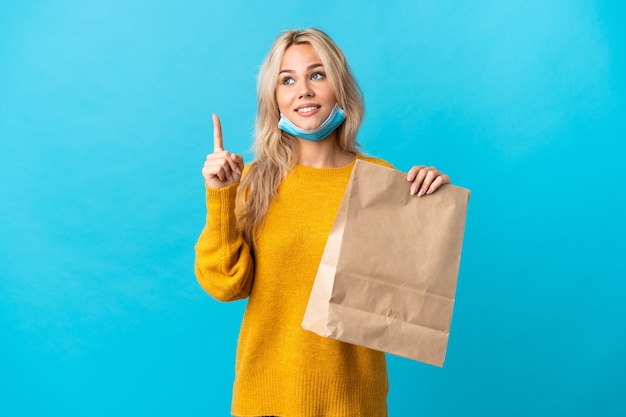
<point x="421" y="193"/>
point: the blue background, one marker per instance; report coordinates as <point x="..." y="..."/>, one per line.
<point x="104" y="125"/>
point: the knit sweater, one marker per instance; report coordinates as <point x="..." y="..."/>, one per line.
<point x="281" y="369"/>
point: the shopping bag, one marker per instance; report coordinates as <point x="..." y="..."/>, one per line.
<point x="388" y="275"/>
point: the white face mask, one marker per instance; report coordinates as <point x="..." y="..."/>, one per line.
<point x="335" y="118"/>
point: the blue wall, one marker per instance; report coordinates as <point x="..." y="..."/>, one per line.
<point x="104" y="125"/>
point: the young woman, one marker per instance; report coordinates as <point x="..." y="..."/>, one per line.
<point x="267" y="225"/>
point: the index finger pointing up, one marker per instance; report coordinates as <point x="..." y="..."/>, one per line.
<point x="218" y="144"/>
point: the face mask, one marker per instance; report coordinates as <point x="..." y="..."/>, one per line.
<point x="335" y="118"/>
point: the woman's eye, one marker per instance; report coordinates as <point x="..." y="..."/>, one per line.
<point x="287" y="81"/>
<point x="317" y="76"/>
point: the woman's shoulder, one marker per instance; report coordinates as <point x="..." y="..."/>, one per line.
<point x="375" y="160"/>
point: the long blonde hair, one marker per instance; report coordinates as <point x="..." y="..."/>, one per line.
<point x="275" y="150"/>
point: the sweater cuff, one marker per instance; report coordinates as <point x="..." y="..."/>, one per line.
<point x="220" y="205"/>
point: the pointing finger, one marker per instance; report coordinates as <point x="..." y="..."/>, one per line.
<point x="218" y="144"/>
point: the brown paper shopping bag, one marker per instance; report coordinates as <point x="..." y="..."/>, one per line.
<point x="387" y="278"/>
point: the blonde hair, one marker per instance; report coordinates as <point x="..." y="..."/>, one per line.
<point x="275" y="150"/>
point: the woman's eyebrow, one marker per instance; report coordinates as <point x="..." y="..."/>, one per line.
<point x="310" y="67"/>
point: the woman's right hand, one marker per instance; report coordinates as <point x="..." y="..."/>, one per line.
<point x="221" y="167"/>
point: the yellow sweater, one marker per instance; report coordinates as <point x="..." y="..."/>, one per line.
<point x="283" y="370"/>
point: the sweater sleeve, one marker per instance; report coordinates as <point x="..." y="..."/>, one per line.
<point x="224" y="263"/>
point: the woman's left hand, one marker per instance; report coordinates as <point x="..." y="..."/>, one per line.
<point x="426" y="180"/>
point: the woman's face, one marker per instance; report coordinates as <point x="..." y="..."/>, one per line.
<point x="303" y="92"/>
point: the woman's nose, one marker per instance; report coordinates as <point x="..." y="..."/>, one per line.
<point x="306" y="90"/>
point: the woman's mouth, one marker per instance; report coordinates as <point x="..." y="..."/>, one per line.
<point x="308" y="109"/>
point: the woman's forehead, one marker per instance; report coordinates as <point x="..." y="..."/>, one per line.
<point x="299" y="57"/>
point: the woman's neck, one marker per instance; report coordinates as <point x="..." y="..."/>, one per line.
<point x="322" y="154"/>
